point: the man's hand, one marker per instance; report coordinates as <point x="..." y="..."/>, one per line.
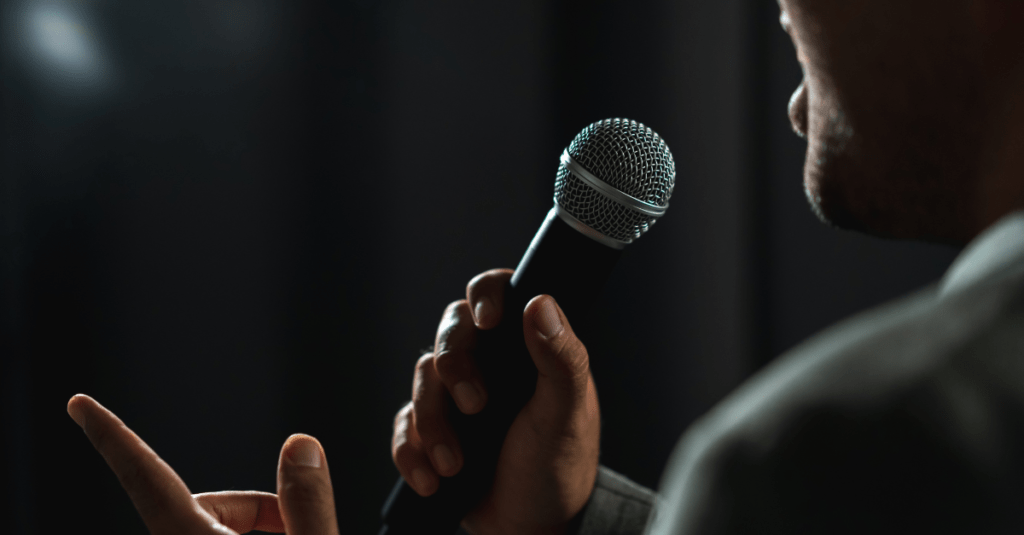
<point x="548" y="462"/>
<point x="304" y="504"/>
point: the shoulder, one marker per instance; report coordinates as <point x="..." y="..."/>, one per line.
<point x="864" y="421"/>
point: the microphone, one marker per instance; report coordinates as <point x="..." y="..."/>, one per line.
<point x="613" y="183"/>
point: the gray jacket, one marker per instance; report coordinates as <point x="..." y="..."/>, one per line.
<point x="907" y="418"/>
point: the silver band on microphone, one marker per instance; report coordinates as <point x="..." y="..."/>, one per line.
<point x="628" y="201"/>
<point x="584" y="229"/>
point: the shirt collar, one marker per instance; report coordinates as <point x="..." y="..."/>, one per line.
<point x="997" y="248"/>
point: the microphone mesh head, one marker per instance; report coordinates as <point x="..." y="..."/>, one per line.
<point x="627" y="156"/>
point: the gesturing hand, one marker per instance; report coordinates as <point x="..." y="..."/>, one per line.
<point x="304" y="504"/>
<point x="549" y="459"/>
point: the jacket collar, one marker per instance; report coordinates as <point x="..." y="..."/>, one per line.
<point x="999" y="247"/>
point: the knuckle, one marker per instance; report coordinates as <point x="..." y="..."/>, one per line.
<point x="427" y="427"/>
<point x="222" y="513"/>
<point x="402" y="414"/>
<point x="405" y="454"/>
<point x="450" y="366"/>
<point x="425" y="363"/>
<point x="452" y="320"/>
<point x="475" y="285"/>
<point x="422" y="379"/>
<point x="454" y="309"/>
<point x="311" y="494"/>
<point x="491" y="280"/>
<point x="456" y="330"/>
<point x="400" y="432"/>
<point x="424" y="388"/>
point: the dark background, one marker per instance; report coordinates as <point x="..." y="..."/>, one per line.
<point x="230" y="220"/>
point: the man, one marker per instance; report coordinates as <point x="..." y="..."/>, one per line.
<point x="907" y="418"/>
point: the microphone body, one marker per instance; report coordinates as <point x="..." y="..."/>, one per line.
<point x="560" y="262"/>
<point x="614" y="182"/>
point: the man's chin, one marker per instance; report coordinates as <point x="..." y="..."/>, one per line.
<point x="832" y="207"/>
<point x="814" y="200"/>
<point x="829" y="206"/>
<point x="825" y="186"/>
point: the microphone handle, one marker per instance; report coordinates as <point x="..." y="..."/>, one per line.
<point x="560" y="262"/>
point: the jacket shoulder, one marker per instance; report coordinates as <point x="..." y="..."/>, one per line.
<point x="863" y="422"/>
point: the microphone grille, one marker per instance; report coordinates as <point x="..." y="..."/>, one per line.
<point x="629" y="157"/>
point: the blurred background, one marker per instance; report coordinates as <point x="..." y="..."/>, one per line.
<point x="230" y="221"/>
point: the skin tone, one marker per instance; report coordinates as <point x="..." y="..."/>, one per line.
<point x="304" y="504"/>
<point x="548" y="463"/>
<point x="912" y="113"/>
<point x="915" y="126"/>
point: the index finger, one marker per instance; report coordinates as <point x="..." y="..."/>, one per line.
<point x="159" y="495"/>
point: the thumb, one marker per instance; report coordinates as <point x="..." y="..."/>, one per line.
<point x="304" y="491"/>
<point x="563" y="366"/>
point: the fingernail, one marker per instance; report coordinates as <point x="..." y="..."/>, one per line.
<point x="444" y="458"/>
<point x="484" y="309"/>
<point x="467" y="396"/>
<point x="546" y="321"/>
<point x="421" y="480"/>
<point x="304" y="452"/>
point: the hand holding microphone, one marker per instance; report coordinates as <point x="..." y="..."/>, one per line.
<point x="503" y="429"/>
<point x="548" y="462"/>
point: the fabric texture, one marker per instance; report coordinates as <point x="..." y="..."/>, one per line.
<point x="908" y="418"/>
<point x="617" y="506"/>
